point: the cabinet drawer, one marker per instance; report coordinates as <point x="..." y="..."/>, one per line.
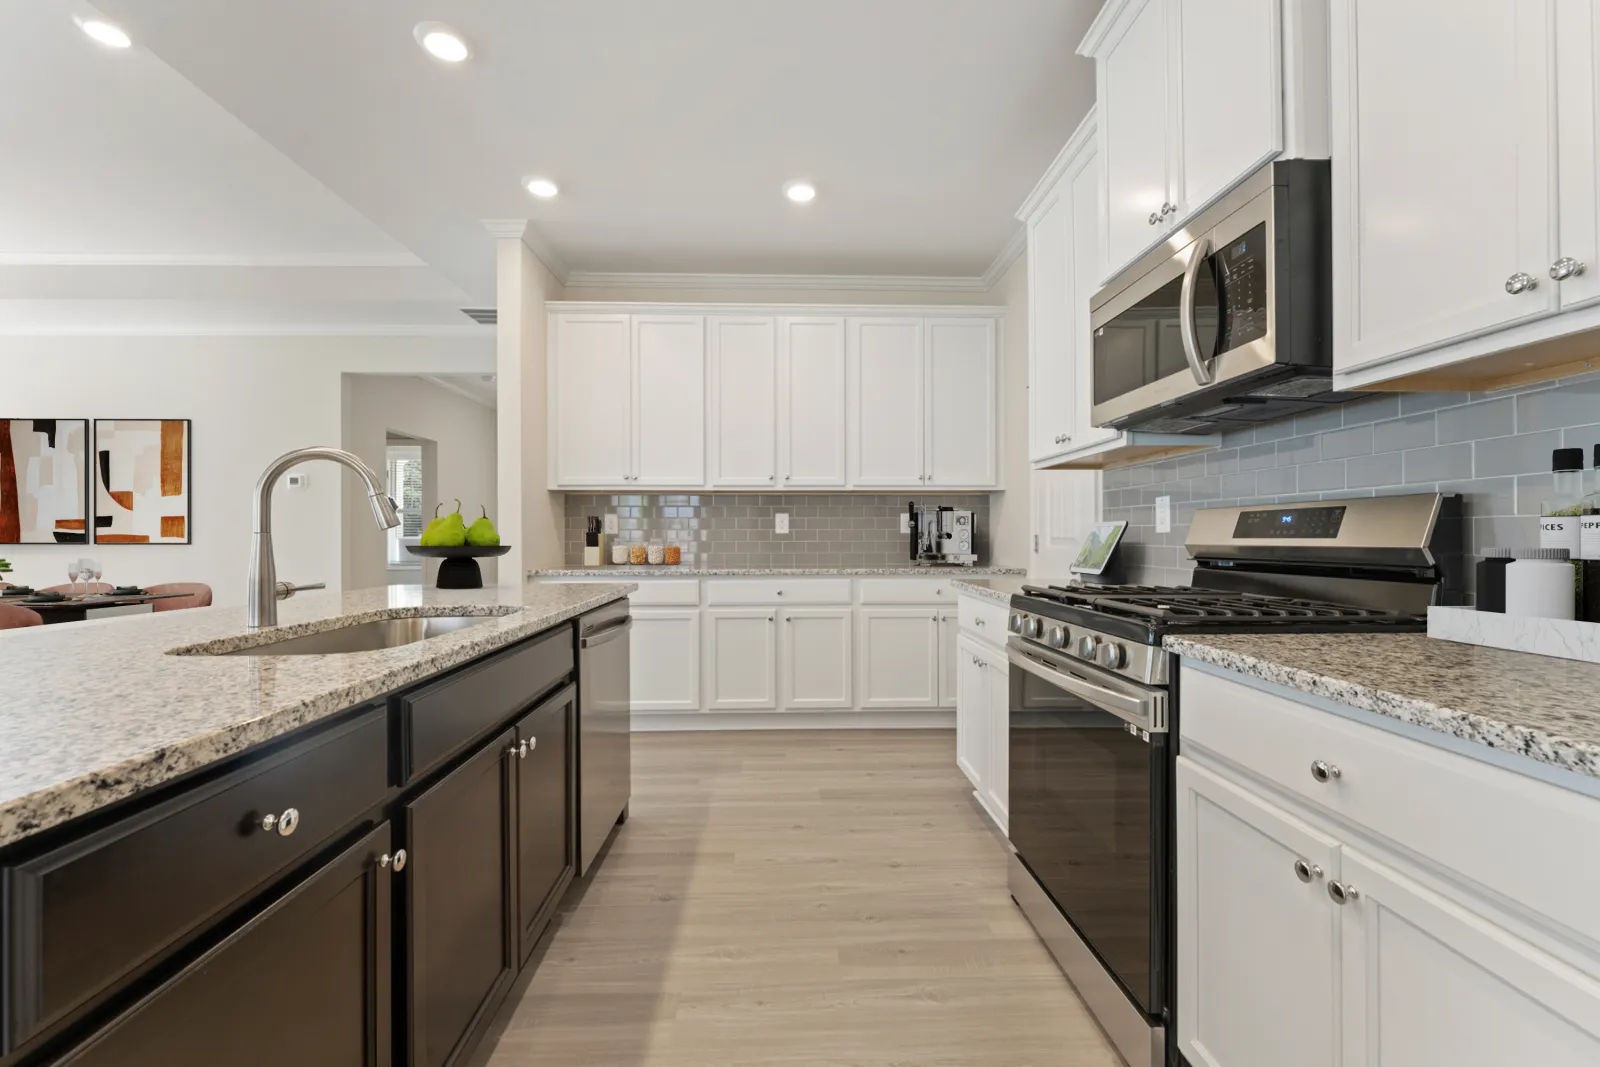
<point x="906" y="591"/>
<point x="439" y="719"/>
<point x="983" y="619"/>
<point x="1515" y="835"/>
<point x="666" y="592"/>
<point x="778" y="591"/>
<point x="89" y="913"/>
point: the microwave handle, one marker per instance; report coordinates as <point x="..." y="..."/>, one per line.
<point x="1191" y="342"/>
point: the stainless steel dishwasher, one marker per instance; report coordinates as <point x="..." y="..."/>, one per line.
<point x="605" y="761"/>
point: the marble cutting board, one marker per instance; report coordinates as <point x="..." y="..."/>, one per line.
<point x="1517" y="633"/>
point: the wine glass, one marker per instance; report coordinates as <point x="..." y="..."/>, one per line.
<point x="74" y="572"/>
<point x="94" y="571"/>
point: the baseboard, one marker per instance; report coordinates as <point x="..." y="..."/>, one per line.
<point x="673" y="721"/>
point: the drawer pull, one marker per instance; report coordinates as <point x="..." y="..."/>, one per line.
<point x="519" y="751"/>
<point x="397" y="861"/>
<point x="1307" y="871"/>
<point x="1343" y="892"/>
<point x="285" y="824"/>
<point x="533" y="743"/>
<point x="1323" y="771"/>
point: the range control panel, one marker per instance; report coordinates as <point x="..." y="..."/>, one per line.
<point x="1290" y="523"/>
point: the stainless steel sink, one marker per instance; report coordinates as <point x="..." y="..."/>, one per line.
<point x="365" y="636"/>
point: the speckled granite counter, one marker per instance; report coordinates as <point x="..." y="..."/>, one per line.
<point x="687" y="571"/>
<point x="1000" y="590"/>
<point x="1543" y="708"/>
<point x="94" y="712"/>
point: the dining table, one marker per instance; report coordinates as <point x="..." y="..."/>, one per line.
<point x="91" y="606"/>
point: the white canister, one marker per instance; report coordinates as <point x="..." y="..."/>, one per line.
<point x="1541" y="583"/>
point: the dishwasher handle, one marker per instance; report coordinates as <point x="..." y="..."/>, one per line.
<point x="605" y="634"/>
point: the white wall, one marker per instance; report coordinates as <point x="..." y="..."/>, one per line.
<point x="251" y="399"/>
<point x="463" y="433"/>
<point x="1008" y="511"/>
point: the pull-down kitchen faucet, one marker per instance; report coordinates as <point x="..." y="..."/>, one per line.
<point x="261" y="609"/>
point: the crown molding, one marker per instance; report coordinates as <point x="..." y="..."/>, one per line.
<point x="244" y="330"/>
<point x="1008" y="255"/>
<point x="874" y="283"/>
<point x="525" y="231"/>
<point x="684" y="307"/>
<point x="1111" y="17"/>
<point x="1082" y="139"/>
<point x="192" y="259"/>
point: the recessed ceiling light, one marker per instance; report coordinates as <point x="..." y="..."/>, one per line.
<point x="104" y="32"/>
<point x="441" y="42"/>
<point x="800" y="192"/>
<point x="543" y="188"/>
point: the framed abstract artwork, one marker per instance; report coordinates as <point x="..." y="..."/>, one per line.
<point x="44" y="481"/>
<point x="141" y="481"/>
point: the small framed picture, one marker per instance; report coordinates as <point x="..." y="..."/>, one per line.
<point x="142" y="482"/>
<point x="44" y="478"/>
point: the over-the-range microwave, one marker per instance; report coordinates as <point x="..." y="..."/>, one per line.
<point x="1228" y="321"/>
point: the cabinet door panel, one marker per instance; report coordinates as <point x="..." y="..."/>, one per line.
<point x="1085" y="279"/>
<point x="1428" y="981"/>
<point x="459" y="927"/>
<point x="545" y="845"/>
<point x="741" y="659"/>
<point x="664" y="660"/>
<point x="1578" y="133"/>
<point x="897" y="657"/>
<point x="972" y="711"/>
<point x="307" y="982"/>
<point x="1256" y="945"/>
<point x="815" y="652"/>
<point x="1133" y="89"/>
<point x="744" y="401"/>
<point x="669" y="354"/>
<point x="886" y="402"/>
<point x="592" y="415"/>
<point x="997" y="733"/>
<point x="1052" y="355"/>
<point x="961" y="439"/>
<point x="1230" y="112"/>
<point x="1429" y="226"/>
<point x="949" y="623"/>
<point x="812" y="402"/>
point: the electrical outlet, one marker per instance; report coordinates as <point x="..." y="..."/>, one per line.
<point x="1163" y="514"/>
<point x="611" y="524"/>
<point x="781" y="522"/>
<point x="296" y="481"/>
<point x="905" y="522"/>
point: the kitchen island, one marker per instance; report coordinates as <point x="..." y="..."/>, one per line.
<point x="268" y="859"/>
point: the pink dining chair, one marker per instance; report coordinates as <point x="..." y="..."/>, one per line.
<point x="13" y="616"/>
<point x="199" y="596"/>
<point x="81" y="587"/>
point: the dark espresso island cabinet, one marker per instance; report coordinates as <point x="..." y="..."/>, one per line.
<point x="361" y="893"/>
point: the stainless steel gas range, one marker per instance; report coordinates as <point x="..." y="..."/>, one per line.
<point x="1095" y="706"/>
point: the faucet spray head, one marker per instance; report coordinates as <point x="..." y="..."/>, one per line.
<point x="383" y="510"/>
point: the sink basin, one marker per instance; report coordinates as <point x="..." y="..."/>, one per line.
<point x="365" y="636"/>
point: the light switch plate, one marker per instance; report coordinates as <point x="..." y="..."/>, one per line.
<point x="611" y="524"/>
<point x="296" y="481"/>
<point x="905" y="522"/>
<point x="781" y="522"/>
<point x="1163" y="514"/>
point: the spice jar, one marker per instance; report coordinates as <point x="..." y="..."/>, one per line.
<point x="674" y="555"/>
<point x="657" y="553"/>
<point x="636" y="555"/>
<point x="619" y="554"/>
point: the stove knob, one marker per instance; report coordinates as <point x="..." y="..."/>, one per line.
<point x="1016" y="624"/>
<point x="1031" y="628"/>
<point x="1087" y="644"/>
<point x="1057" y="637"/>
<point x="1112" y="656"/>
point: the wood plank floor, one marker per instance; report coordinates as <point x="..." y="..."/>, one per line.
<point x="799" y="899"/>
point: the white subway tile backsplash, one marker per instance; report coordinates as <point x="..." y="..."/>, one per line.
<point x="1527" y="453"/>
<point x="1418" y="431"/>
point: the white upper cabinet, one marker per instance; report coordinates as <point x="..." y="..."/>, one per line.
<point x="669" y="398"/>
<point x="1443" y="172"/>
<point x="1578" y="134"/>
<point x="1052" y="353"/>
<point x="811" y="415"/>
<point x="591" y="404"/>
<point x="962" y="377"/>
<point x="744" y="401"/>
<point x="1193" y="96"/>
<point x="886" y="391"/>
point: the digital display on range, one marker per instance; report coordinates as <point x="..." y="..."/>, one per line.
<point x="1293" y="522"/>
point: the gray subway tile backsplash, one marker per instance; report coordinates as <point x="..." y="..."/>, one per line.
<point x="1493" y="449"/>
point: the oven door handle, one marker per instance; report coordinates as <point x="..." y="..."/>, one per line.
<point x="1147" y="712"/>
<point x="1186" y="329"/>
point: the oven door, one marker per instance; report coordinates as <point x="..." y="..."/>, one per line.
<point x="1089" y="810"/>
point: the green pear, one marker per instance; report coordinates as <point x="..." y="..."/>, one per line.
<point x="453" y="528"/>
<point x="430" y="532"/>
<point x="482" y="532"/>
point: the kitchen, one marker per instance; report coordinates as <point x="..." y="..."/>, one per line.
<point x="1142" y="620"/>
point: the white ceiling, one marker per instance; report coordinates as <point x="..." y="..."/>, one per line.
<point x="272" y="155"/>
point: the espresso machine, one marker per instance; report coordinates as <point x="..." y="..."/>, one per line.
<point x="942" y="534"/>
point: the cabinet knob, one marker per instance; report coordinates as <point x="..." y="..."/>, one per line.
<point x="1564" y="268"/>
<point x="772" y="477"/>
<point x="533" y="743"/>
<point x="396" y="862"/>
<point x="285" y="824"/>
<point x="978" y="621"/>
<point x="780" y="592"/>
<point x="1168" y="209"/>
<point x="1323" y="771"/>
<point x="1307" y="871"/>
<point x="1521" y="282"/>
<point x="519" y="751"/>
<point x="1154" y="218"/>
<point x="1343" y="892"/>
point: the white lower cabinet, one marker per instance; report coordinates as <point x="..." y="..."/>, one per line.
<point x="741" y="659"/>
<point x="664" y="659"/>
<point x="898" y="657"/>
<point x="983" y="721"/>
<point x="949" y="623"/>
<point x="972" y="712"/>
<point x="814" y="657"/>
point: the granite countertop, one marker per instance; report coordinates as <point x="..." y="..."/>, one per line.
<point x="1000" y="590"/>
<point x="688" y="570"/>
<point x="92" y="712"/>
<point x="1535" y="706"/>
